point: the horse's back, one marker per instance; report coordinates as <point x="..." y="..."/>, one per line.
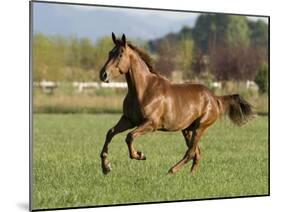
<point x="190" y="91"/>
<point x="190" y="86"/>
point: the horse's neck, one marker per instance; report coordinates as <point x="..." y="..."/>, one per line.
<point x="138" y="75"/>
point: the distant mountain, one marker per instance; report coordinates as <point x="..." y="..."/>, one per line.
<point x="97" y="22"/>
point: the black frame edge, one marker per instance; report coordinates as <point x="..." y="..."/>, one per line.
<point x="30" y="105"/>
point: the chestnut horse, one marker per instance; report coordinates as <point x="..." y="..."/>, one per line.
<point x="154" y="103"/>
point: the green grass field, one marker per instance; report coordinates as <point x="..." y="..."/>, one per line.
<point x="67" y="171"/>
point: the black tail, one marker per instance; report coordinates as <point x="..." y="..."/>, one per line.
<point x="238" y="109"/>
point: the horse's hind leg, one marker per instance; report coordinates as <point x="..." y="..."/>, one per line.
<point x="196" y="160"/>
<point x="191" y="152"/>
<point x="122" y="125"/>
<point x="187" y="133"/>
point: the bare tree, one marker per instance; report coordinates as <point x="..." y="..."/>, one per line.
<point x="234" y="63"/>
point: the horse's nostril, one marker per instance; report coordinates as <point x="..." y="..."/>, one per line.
<point x="104" y="75"/>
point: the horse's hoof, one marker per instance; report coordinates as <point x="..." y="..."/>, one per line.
<point x="141" y="156"/>
<point x="106" y="168"/>
<point x="170" y="172"/>
<point x="193" y="171"/>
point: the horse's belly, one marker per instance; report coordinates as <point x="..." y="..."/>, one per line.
<point x="174" y="121"/>
<point x="177" y="125"/>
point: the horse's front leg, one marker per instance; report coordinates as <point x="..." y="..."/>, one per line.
<point x="147" y="126"/>
<point x="122" y="125"/>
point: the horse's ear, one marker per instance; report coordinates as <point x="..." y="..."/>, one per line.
<point x="124" y="39"/>
<point x="113" y="38"/>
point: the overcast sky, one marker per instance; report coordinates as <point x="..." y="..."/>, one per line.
<point x="95" y="22"/>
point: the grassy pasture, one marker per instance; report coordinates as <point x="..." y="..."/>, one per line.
<point x="67" y="172"/>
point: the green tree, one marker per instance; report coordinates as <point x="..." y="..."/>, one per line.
<point x="103" y="46"/>
<point x="87" y="53"/>
<point x="237" y="31"/>
<point x="74" y="52"/>
<point x="184" y="56"/>
<point x="201" y="31"/>
<point x="259" y="38"/>
<point x="41" y="46"/>
<point x="49" y="53"/>
<point x="258" y="33"/>
<point x="262" y="78"/>
<point x="212" y="30"/>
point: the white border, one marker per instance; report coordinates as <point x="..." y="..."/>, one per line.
<point x="14" y="107"/>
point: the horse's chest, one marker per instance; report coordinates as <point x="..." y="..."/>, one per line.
<point x="132" y="110"/>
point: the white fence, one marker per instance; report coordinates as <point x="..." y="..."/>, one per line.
<point x="49" y="86"/>
<point x="46" y="86"/>
<point x="89" y="85"/>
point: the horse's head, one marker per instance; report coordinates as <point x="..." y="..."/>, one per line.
<point x="118" y="61"/>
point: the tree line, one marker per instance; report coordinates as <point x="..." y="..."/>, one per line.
<point x="219" y="47"/>
<point x="61" y="58"/>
